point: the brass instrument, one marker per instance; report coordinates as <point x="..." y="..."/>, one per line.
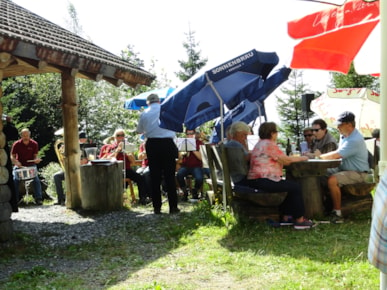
<point x="59" y="150"/>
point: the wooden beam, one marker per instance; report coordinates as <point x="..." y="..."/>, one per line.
<point x="42" y="64"/>
<point x="114" y="82"/>
<point x="74" y="72"/>
<point x="72" y="149"/>
<point x="5" y="59"/>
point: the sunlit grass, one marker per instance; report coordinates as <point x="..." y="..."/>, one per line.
<point x="206" y="248"/>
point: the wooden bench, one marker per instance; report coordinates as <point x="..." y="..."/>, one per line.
<point x="244" y="201"/>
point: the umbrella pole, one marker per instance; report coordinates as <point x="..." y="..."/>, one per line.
<point x="221" y="132"/>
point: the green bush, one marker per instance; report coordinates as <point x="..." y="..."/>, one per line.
<point x="47" y="173"/>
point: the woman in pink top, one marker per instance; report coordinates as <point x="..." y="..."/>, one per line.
<point x="266" y="164"/>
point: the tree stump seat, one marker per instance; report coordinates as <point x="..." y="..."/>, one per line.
<point x="355" y="203"/>
<point x="259" y="197"/>
<point x="358" y="189"/>
<point x="248" y="210"/>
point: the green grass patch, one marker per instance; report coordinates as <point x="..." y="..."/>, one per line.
<point x="201" y="247"/>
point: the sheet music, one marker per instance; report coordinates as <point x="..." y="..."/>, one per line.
<point x="251" y="141"/>
<point x="186" y="144"/>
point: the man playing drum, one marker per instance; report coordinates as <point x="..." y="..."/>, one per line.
<point x="24" y="157"/>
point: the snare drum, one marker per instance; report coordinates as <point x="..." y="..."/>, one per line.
<point x="26" y="173"/>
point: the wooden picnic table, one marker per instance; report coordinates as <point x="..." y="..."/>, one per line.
<point x="308" y="174"/>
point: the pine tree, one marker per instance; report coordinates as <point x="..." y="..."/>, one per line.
<point x="354" y="80"/>
<point x="289" y="107"/>
<point x="195" y="62"/>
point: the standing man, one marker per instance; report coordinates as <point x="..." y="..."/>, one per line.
<point x="162" y="154"/>
<point x="354" y="166"/>
<point x="24" y="153"/>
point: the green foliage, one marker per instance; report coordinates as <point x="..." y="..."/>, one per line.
<point x="195" y="62"/>
<point x="289" y="107"/>
<point x="48" y="174"/>
<point x="353" y="80"/>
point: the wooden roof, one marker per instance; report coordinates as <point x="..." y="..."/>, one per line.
<point x="30" y="44"/>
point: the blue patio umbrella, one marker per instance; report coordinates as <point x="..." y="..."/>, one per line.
<point x="202" y="97"/>
<point x="139" y="102"/>
<point x="248" y="111"/>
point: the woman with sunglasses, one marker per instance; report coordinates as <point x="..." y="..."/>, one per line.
<point x="324" y="142"/>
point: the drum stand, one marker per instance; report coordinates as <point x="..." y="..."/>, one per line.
<point x="26" y="196"/>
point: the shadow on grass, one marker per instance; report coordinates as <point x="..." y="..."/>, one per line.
<point x="93" y="247"/>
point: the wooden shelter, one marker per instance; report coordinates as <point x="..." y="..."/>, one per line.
<point x="29" y="44"/>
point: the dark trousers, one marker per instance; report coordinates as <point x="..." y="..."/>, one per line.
<point x="139" y="180"/>
<point x="162" y="155"/>
<point x="293" y="204"/>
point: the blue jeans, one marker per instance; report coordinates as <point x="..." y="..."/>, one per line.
<point x="197" y="174"/>
<point x="36" y="183"/>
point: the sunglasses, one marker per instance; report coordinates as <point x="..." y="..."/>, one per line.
<point x="316" y="130"/>
<point x="120" y="135"/>
<point x="308" y="135"/>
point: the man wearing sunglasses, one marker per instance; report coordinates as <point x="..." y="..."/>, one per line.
<point x="354" y="166"/>
<point x="324" y="142"/>
<point x="306" y="146"/>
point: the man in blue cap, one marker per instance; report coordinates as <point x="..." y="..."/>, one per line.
<point x="354" y="166"/>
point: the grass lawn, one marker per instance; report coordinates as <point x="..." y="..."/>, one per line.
<point x="204" y="248"/>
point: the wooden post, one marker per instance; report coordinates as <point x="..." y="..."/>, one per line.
<point x="71" y="140"/>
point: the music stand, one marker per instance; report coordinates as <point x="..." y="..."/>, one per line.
<point x="186" y="144"/>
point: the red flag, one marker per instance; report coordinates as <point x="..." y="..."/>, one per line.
<point x="333" y="36"/>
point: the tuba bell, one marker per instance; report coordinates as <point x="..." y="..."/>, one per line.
<point x="59" y="150"/>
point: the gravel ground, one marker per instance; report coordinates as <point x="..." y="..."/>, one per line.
<point x="55" y="226"/>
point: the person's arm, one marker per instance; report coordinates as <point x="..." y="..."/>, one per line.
<point x="15" y="161"/>
<point x="286" y="160"/>
<point x="330" y="155"/>
<point x="197" y="154"/>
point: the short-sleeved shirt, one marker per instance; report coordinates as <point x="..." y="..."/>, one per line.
<point x="149" y="123"/>
<point x="263" y="161"/>
<point x="109" y="148"/>
<point x="354" y="152"/>
<point x="191" y="161"/>
<point x="25" y="152"/>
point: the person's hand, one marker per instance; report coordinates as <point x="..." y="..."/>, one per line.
<point x="120" y="146"/>
<point x="317" y="153"/>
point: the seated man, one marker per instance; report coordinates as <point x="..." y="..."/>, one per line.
<point x="324" y="142"/>
<point x="144" y="171"/>
<point x="59" y="176"/>
<point x="115" y="151"/>
<point x="24" y="153"/>
<point x="191" y="164"/>
<point x="354" y="167"/>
